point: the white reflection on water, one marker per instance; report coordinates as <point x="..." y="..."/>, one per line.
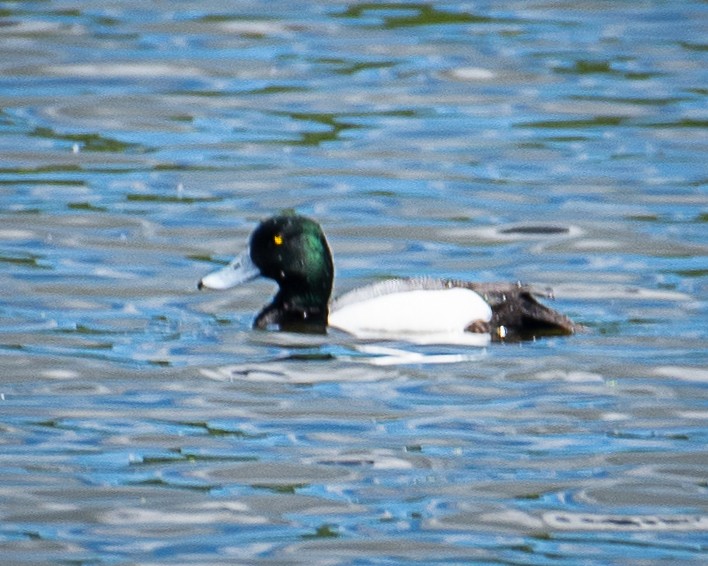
<point x="384" y="356"/>
<point x="614" y="523"/>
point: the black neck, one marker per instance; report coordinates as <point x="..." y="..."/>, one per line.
<point x="294" y="314"/>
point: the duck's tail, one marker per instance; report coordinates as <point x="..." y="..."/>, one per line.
<point x="518" y="315"/>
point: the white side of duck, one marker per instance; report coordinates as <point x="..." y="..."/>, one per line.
<point x="396" y="310"/>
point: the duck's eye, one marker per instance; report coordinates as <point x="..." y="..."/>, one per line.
<point x="278" y="240"/>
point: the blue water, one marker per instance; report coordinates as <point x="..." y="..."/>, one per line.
<point x="559" y="144"/>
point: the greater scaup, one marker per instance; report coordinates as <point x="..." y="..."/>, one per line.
<point x="293" y="251"/>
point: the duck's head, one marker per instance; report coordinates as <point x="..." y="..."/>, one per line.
<point x="291" y="250"/>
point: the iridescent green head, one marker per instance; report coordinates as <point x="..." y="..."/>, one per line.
<point x="291" y="250"/>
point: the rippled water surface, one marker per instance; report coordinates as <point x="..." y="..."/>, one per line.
<point x="558" y="143"/>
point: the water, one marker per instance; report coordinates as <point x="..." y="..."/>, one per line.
<point x="556" y="143"/>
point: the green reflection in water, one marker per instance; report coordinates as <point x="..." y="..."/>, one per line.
<point x="574" y="124"/>
<point x="25" y="260"/>
<point x="413" y="14"/>
<point x="91" y="141"/>
<point x="135" y="197"/>
<point x="323" y="531"/>
<point x="86" y="206"/>
<point x="333" y="122"/>
<point x="585" y="67"/>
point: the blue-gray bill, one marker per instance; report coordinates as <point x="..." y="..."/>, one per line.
<point x="240" y="270"/>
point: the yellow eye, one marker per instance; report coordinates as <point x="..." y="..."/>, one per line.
<point x="278" y="239"/>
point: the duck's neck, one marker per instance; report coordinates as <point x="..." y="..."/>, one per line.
<point x="306" y="313"/>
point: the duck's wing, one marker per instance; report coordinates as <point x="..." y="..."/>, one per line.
<point x="390" y="287"/>
<point x="517" y="314"/>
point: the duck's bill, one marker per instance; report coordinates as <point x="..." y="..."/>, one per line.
<point x="240" y="270"/>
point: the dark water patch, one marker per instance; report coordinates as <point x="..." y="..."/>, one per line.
<point x="88" y="330"/>
<point x="26" y="260"/>
<point x="163" y="483"/>
<point x="332" y="127"/>
<point x="693" y="46"/>
<point x="691" y="273"/>
<point x="276" y="89"/>
<point x="536" y="230"/>
<point x="640" y="75"/>
<point x="91" y="141"/>
<point x="643" y="217"/>
<point x="217" y="431"/>
<point x="196" y="168"/>
<point x="53" y="168"/>
<point x="682" y="123"/>
<point x="353" y="68"/>
<point x="640" y="101"/>
<point x="86" y="207"/>
<point x="579" y="123"/>
<point x="323" y="531"/>
<point x="587" y="67"/>
<point x="180" y="456"/>
<point x="207" y="259"/>
<point x="411" y="14"/>
<point x="280" y="489"/>
<point x="226" y="17"/>
<point x="202" y="93"/>
<point x="169" y="199"/>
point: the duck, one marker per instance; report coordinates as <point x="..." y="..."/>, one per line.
<point x="293" y="251"/>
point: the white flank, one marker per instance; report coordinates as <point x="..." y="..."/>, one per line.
<point x="431" y="316"/>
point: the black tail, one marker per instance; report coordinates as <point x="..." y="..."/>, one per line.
<point x="517" y="314"/>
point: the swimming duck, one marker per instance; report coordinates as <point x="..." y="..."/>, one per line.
<point x="293" y="251"/>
